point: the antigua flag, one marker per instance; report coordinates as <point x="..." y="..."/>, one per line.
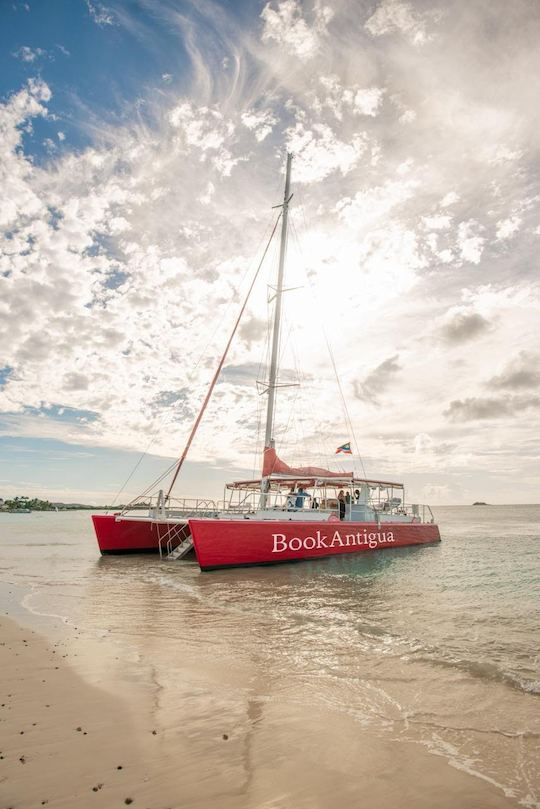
<point x="345" y="448"/>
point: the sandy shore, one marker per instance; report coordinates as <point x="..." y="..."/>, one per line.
<point x="143" y="741"/>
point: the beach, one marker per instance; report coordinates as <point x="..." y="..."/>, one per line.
<point x="131" y="681"/>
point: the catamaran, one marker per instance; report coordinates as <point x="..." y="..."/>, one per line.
<point x="288" y="514"/>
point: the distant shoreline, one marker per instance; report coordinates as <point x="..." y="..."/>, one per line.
<point x="84" y="507"/>
<point x="66" y="507"/>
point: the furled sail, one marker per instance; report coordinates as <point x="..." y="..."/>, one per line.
<point x="272" y="465"/>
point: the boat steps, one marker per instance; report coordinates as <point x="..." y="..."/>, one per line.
<point x="174" y="540"/>
<point x="181" y="550"/>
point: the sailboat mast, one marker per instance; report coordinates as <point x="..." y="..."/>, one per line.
<point x="272" y="380"/>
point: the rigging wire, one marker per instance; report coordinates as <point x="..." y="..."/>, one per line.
<point x="329" y="348"/>
<point x="299" y="448"/>
<point x="220" y="366"/>
<point x="167" y="417"/>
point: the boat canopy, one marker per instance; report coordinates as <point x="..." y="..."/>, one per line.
<point x="277" y="482"/>
<point x="279" y="475"/>
<point x="274" y="466"/>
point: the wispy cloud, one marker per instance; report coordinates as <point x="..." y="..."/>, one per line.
<point x="29" y="55"/>
<point x="101" y="14"/>
<point x="377" y="381"/>
<point x="393" y="15"/>
<point x="478" y="408"/>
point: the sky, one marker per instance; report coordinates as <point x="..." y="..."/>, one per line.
<point x="142" y="147"/>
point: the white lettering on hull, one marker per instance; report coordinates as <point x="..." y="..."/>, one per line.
<point x="373" y="539"/>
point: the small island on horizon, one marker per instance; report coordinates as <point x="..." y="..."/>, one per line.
<point x="480" y="503"/>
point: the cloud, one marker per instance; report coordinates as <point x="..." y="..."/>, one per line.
<point x="252" y="330"/>
<point x="449" y="199"/>
<point x="261" y="122"/>
<point x="101" y="14"/>
<point x="75" y="381"/>
<point x="437" y="222"/>
<point x="407" y="117"/>
<point x="244" y="374"/>
<point x="507" y="228"/>
<point x="373" y="204"/>
<point x="206" y="130"/>
<point x="423" y="443"/>
<point x="485" y="408"/>
<point x="286" y="25"/>
<point x="27" y="54"/>
<point x="470" y="244"/>
<point x="368" y="101"/>
<point x="377" y="381"/>
<point x="354" y="99"/>
<point x="393" y="15"/>
<point x="522" y="372"/>
<point x="19" y="197"/>
<point x="319" y="152"/>
<point x="462" y="324"/>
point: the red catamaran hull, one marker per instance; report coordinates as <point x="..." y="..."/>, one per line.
<point x="232" y="543"/>
<point x="125" y="536"/>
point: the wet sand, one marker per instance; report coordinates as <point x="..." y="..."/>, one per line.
<point x="85" y="724"/>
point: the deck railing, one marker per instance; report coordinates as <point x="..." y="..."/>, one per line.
<point x="184" y="507"/>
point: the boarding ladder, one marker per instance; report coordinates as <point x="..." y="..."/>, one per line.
<point x="175" y="542"/>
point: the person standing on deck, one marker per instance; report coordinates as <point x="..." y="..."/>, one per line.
<point x="341" y="503"/>
<point x="301" y="495"/>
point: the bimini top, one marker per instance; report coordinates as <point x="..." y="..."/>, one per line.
<point x="275" y="467"/>
<point x="278" y="474"/>
<point x="288" y="481"/>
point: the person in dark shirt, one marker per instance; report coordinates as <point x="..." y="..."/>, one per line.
<point x="301" y="495"/>
<point x="341" y="503"/>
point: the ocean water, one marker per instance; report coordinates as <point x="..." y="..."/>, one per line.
<point x="437" y="645"/>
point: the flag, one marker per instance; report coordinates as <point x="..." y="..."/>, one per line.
<point x="345" y="448"/>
